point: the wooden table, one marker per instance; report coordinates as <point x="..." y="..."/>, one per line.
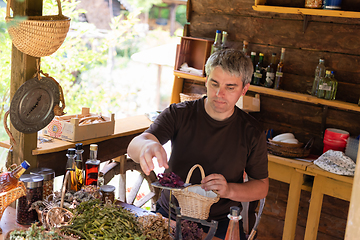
<point x="289" y="171"/>
<point x="324" y="183"/>
<point x="8" y="220"/>
<point x="53" y="154"/>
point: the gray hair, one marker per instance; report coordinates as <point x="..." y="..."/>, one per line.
<point x="232" y="61"/>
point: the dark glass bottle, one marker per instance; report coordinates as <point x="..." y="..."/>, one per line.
<point x="224" y="42"/>
<point x="217" y="44"/>
<point x="270" y="72"/>
<point x="233" y="231"/>
<point x="245" y="48"/>
<point x="79" y="167"/>
<point x="252" y="57"/>
<point x="279" y="70"/>
<point x="258" y="73"/>
<point x="70" y="166"/>
<point x="92" y="166"/>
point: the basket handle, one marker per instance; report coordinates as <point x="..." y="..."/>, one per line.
<point x="191" y="171"/>
<point x="9" y="3"/>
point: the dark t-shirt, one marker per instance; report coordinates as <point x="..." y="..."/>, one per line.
<point x="227" y="147"/>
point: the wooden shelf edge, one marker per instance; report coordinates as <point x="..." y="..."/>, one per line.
<point x="305" y="98"/>
<point x="307" y="11"/>
<point x="181" y="74"/>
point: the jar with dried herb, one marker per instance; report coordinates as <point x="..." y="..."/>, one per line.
<point x="48" y="175"/>
<point x="313" y="3"/>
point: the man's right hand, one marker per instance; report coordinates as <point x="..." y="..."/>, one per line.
<point x="143" y="148"/>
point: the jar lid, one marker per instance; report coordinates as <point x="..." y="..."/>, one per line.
<point x="32" y="180"/>
<point x="47" y="173"/>
<point x="107" y="188"/>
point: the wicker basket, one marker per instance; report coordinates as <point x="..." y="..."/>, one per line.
<point x="6" y="198"/>
<point x="192" y="204"/>
<point x="190" y="96"/>
<point x="38" y="36"/>
<point x="290" y="150"/>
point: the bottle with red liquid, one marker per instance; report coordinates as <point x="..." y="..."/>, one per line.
<point x="9" y="180"/>
<point x="233" y="231"/>
<point x="92" y="166"/>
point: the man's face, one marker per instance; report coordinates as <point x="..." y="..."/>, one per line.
<point x="223" y="91"/>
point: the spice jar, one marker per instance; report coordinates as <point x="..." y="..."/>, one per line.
<point x="108" y="193"/>
<point x="313" y="3"/>
<point x="34" y="192"/>
<point x="48" y="175"/>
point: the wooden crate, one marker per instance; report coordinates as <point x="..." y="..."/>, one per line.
<point x="194" y="52"/>
<point x="68" y="127"/>
<point x="249" y="104"/>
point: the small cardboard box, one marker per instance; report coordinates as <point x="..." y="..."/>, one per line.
<point x="69" y="127"/>
<point x="249" y="104"/>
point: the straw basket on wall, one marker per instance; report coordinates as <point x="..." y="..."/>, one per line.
<point x="193" y="204"/>
<point x="38" y="36"/>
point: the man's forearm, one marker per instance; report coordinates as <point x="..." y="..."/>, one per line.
<point x="249" y="191"/>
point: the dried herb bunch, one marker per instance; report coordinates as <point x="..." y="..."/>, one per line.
<point x="155" y="227"/>
<point x="189" y="231"/>
<point x="93" y="220"/>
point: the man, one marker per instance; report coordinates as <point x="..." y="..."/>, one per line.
<point x="214" y="133"/>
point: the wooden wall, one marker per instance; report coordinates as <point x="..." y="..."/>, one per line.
<point x="335" y="39"/>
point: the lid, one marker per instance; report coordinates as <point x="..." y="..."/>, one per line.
<point x="107" y="188"/>
<point x="47" y="173"/>
<point x="218" y="31"/>
<point x="25" y="164"/>
<point x="253" y="53"/>
<point x="261" y="54"/>
<point x="32" y="180"/>
<point x="93" y="147"/>
<point x="71" y="151"/>
<point x="234" y="211"/>
<point x="79" y="146"/>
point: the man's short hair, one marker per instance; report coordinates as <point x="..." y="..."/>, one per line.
<point x="233" y="61"/>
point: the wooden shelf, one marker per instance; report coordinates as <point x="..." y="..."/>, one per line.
<point x="184" y="75"/>
<point x="307" y="11"/>
<point x="305" y="98"/>
<point x="284" y="94"/>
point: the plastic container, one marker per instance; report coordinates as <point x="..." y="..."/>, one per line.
<point x="352" y="147"/>
<point x="34" y="192"/>
<point x="48" y="175"/>
<point x="335" y="139"/>
<point x="108" y="193"/>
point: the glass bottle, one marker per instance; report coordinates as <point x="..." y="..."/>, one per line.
<point x="9" y="180"/>
<point x="79" y="167"/>
<point x="252" y="57"/>
<point x="270" y="72"/>
<point x="217" y="44"/>
<point x="92" y="166"/>
<point x="319" y="73"/>
<point x="258" y="73"/>
<point x="279" y="70"/>
<point x="70" y="166"/>
<point x="325" y="86"/>
<point x="245" y="48"/>
<point x="233" y="231"/>
<point x="335" y="85"/>
<point x="224" y="40"/>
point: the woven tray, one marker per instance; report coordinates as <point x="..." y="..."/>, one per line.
<point x="192" y="204"/>
<point x="290" y="150"/>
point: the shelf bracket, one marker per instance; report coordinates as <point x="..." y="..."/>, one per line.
<point x="305" y="24"/>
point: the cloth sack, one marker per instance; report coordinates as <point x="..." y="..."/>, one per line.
<point x="336" y="162"/>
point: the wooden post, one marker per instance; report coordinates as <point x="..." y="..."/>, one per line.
<point x="23" y="67"/>
<point x="353" y="222"/>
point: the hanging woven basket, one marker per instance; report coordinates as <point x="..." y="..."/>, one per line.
<point x="38" y="36"/>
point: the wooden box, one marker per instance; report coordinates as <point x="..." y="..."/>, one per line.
<point x="249" y="104"/>
<point x="74" y="128"/>
<point x="194" y="52"/>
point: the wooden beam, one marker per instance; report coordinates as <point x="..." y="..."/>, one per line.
<point x="23" y="68"/>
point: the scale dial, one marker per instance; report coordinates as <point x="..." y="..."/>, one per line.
<point x="32" y="106"/>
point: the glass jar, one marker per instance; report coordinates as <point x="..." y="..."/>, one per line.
<point x="108" y="193"/>
<point x="313" y="3"/>
<point x="48" y="175"/>
<point x="34" y="192"/>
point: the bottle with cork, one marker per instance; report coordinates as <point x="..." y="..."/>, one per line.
<point x="92" y="166"/>
<point x="233" y="231"/>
